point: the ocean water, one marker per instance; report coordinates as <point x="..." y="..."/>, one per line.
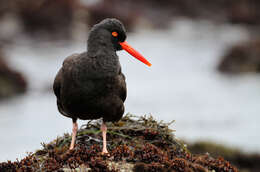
<point x="182" y="85"/>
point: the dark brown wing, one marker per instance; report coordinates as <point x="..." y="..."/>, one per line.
<point x="58" y="79"/>
<point x="57" y="85"/>
<point x="123" y="90"/>
<point x="57" y="91"/>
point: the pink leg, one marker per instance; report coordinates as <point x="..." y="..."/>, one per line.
<point x="74" y="133"/>
<point x="104" y="134"/>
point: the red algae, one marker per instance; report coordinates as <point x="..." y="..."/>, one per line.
<point x="142" y="142"/>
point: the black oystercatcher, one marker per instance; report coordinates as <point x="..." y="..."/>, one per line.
<point x="90" y="85"/>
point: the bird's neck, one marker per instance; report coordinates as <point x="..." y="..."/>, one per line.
<point x="102" y="51"/>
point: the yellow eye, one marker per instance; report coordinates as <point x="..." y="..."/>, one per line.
<point x="115" y="34"/>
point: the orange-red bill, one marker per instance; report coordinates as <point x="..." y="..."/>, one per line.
<point x="134" y="53"/>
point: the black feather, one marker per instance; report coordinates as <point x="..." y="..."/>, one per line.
<point x="90" y="85"/>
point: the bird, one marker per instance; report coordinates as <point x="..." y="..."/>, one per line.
<point x="90" y="85"/>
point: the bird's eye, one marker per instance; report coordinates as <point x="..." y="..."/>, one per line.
<point x="115" y="34"/>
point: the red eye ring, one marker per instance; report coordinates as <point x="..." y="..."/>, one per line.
<point x="115" y="34"/>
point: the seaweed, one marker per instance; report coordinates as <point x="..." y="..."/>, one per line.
<point x="135" y="144"/>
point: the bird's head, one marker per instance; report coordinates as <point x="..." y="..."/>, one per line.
<point x="113" y="30"/>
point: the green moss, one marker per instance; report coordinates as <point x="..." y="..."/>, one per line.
<point x="245" y="161"/>
<point x="213" y="148"/>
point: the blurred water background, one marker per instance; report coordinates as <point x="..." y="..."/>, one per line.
<point x="182" y="85"/>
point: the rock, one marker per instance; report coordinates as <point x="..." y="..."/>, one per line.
<point x="54" y="17"/>
<point x="60" y="19"/>
<point x="112" y="9"/>
<point x="244" y="161"/>
<point x="11" y="81"/>
<point x="134" y="143"/>
<point x="159" y="13"/>
<point x="245" y="12"/>
<point x="241" y="58"/>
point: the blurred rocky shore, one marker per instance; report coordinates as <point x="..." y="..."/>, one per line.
<point x="151" y="148"/>
<point x="12" y="82"/>
<point x="61" y="20"/>
<point x="57" y="17"/>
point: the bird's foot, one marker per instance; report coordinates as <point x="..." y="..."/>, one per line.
<point x="105" y="153"/>
<point x="71" y="147"/>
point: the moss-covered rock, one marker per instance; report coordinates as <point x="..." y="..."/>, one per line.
<point x="11" y="81"/>
<point x="159" y="13"/>
<point x="241" y="58"/>
<point x="135" y="144"/>
<point x="244" y="161"/>
<point x="54" y="17"/>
